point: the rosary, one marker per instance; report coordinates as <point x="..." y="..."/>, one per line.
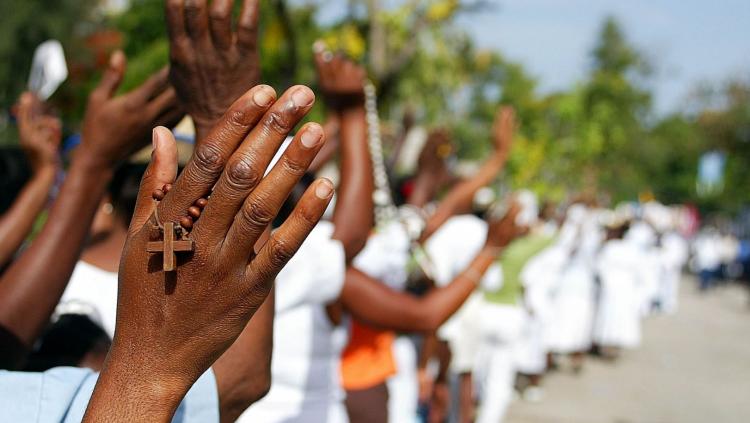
<point x="175" y="236"/>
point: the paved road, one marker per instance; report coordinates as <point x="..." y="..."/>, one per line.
<point x="692" y="367"/>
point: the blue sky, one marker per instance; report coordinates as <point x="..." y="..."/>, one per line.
<point x="688" y="41"/>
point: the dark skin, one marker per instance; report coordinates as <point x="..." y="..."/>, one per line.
<point x="459" y="199"/>
<point x="432" y="170"/>
<point x="171" y="327"/>
<point x="113" y="128"/>
<point x="365" y="298"/>
<point x="341" y="82"/>
<point x="211" y="64"/>
<point x="371" y="301"/>
<point x="40" y="137"/>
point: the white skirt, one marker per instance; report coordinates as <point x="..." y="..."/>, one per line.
<point x="618" y="321"/>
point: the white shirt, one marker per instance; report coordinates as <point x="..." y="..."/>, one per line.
<point x="386" y="256"/>
<point x="452" y="248"/>
<point x="93" y="292"/>
<point x="307" y="347"/>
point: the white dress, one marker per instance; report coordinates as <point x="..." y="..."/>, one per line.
<point x="674" y="256"/>
<point x="573" y="298"/>
<point x="452" y="248"/>
<point x="93" y="292"/>
<point x="306" y="383"/>
<point x="539" y="277"/>
<point x="618" y="318"/>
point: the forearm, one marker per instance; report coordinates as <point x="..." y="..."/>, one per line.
<point x="18" y="221"/>
<point x="376" y="304"/>
<point x="425" y="188"/>
<point x="460" y="198"/>
<point x="31" y="288"/>
<point x="243" y="372"/>
<point x="353" y="216"/>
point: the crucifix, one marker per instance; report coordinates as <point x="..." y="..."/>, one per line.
<point x="169" y="246"/>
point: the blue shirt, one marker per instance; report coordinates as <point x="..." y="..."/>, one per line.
<point x="62" y="394"/>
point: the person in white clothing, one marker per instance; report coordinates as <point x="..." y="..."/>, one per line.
<point x="618" y="317"/>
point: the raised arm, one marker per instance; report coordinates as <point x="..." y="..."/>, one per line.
<point x="212" y="64"/>
<point x="459" y="199"/>
<point x="172" y="326"/>
<point x="113" y="128"/>
<point x="40" y="138"/>
<point x="341" y="81"/>
<point x="373" y="302"/>
<point x="432" y="170"/>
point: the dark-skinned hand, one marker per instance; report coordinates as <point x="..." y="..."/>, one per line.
<point x="340" y="79"/>
<point x="502" y="231"/>
<point x="211" y="64"/>
<point x="171" y="326"/>
<point x="39" y="134"/>
<point x="116" y="126"/>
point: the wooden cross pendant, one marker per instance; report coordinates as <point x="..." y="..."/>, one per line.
<point x="169" y="246"/>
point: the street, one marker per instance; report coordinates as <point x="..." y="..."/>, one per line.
<point x="693" y="366"/>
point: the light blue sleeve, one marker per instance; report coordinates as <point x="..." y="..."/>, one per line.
<point x="61" y="395"/>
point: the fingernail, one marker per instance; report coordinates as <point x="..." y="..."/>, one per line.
<point x="263" y="97"/>
<point x="155" y="140"/>
<point x="324" y="189"/>
<point x="312" y="136"/>
<point x="303" y="97"/>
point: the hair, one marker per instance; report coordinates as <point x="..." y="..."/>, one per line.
<point x="15" y="172"/>
<point x="66" y="342"/>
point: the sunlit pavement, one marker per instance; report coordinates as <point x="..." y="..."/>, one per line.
<point x="693" y="366"/>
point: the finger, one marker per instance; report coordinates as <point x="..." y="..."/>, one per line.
<point x="179" y="42"/>
<point x="160" y="171"/>
<point x="285" y="241"/>
<point x="263" y="204"/>
<point x="155" y="85"/>
<point x="25" y="107"/>
<point x="221" y="23"/>
<point x="195" y="13"/>
<point x="247" y="26"/>
<point x="112" y="77"/>
<point x="247" y="165"/>
<point x="163" y="103"/>
<point x="212" y="154"/>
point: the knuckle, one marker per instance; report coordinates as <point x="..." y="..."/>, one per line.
<point x="278" y="122"/>
<point x="256" y="214"/>
<point x="293" y="166"/>
<point x="280" y="252"/>
<point x="242" y="174"/>
<point x="173" y="5"/>
<point x="208" y="160"/>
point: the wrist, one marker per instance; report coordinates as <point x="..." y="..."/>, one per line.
<point x="91" y="162"/>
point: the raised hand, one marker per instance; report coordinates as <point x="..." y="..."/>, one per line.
<point x="502" y="230"/>
<point x="340" y="79"/>
<point x="171" y="326"/>
<point x="116" y="126"/>
<point x="39" y="134"/>
<point x="503" y="128"/>
<point x="211" y="64"/>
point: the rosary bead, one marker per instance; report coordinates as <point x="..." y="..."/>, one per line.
<point x="201" y="202"/>
<point x="186" y="222"/>
<point x="166" y="188"/>
<point x="194" y="212"/>
<point x="158" y="195"/>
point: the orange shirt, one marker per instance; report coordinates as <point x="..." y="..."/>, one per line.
<point x="368" y="360"/>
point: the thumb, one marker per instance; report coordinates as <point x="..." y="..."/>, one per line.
<point x="112" y="76"/>
<point x="161" y="170"/>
